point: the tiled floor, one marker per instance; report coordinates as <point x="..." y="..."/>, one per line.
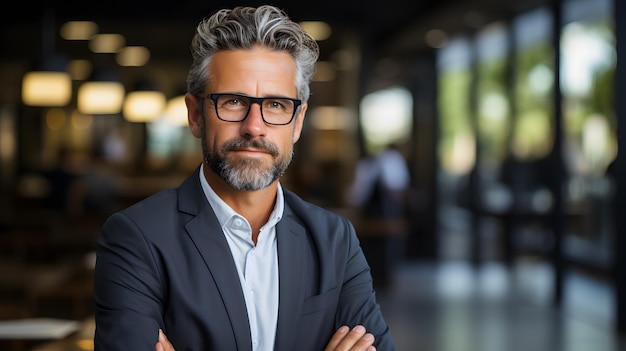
<point x="453" y="307"/>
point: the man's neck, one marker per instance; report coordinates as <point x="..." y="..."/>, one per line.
<point x="254" y="205"/>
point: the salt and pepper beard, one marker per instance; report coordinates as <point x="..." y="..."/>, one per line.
<point x="245" y="173"/>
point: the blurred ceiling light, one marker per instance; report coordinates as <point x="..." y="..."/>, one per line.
<point x="317" y="29"/>
<point x="48" y="83"/>
<point x="107" y="43"/>
<point x="78" y="30"/>
<point x="325" y="72"/>
<point x="79" y="69"/>
<point x="143" y="105"/>
<point x="133" y="56"/>
<point x="176" y="111"/>
<point x="436" y="38"/>
<point x="46" y="88"/>
<point x="100" y="98"/>
<point x="102" y="94"/>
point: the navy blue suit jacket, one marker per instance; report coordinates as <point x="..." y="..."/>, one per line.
<point x="165" y="263"/>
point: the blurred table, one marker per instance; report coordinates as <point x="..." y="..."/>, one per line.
<point x="81" y="340"/>
<point x="20" y="334"/>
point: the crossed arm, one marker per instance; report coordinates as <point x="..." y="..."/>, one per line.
<point x="356" y="339"/>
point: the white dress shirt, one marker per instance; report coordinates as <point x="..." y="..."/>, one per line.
<point x="257" y="265"/>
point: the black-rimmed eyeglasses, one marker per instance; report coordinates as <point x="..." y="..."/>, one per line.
<point x="274" y="110"/>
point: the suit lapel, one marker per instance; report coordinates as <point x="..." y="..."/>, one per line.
<point x="291" y="239"/>
<point x="206" y="233"/>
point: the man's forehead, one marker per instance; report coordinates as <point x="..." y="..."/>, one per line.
<point x="258" y="71"/>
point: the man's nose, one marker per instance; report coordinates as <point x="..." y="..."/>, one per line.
<point x="253" y="124"/>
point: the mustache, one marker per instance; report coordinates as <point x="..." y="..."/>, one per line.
<point x="239" y="144"/>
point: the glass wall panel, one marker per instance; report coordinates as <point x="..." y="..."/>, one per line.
<point x="456" y="149"/>
<point x="493" y="113"/>
<point x="589" y="122"/>
<point x="532" y="137"/>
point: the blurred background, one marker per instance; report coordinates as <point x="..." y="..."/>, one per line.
<point x="473" y="143"/>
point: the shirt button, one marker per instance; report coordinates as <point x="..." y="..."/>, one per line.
<point x="238" y="222"/>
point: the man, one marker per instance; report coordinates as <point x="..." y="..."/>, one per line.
<point x="230" y="260"/>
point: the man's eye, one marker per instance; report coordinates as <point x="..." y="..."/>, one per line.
<point x="276" y="104"/>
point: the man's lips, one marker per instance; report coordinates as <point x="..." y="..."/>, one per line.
<point x="251" y="152"/>
<point x="251" y="147"/>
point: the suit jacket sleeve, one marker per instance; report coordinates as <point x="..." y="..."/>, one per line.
<point x="127" y="296"/>
<point x="337" y="289"/>
<point x="165" y="263"/>
<point x="357" y="302"/>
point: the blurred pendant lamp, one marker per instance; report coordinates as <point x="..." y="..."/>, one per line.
<point x="102" y="94"/>
<point x="48" y="83"/>
<point x="144" y="104"/>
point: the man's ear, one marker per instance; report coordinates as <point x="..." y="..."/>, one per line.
<point x="297" y="129"/>
<point x="194" y="117"/>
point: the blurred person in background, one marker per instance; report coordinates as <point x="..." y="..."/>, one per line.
<point x="381" y="184"/>
<point x="230" y="260"/>
<point x="379" y="194"/>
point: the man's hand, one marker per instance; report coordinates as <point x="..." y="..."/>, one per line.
<point x="163" y="344"/>
<point x="356" y="339"/>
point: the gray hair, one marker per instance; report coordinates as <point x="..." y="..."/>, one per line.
<point x="243" y="28"/>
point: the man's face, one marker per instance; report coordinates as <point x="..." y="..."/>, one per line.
<point x="248" y="155"/>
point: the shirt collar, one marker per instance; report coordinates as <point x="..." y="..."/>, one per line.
<point x="224" y="212"/>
